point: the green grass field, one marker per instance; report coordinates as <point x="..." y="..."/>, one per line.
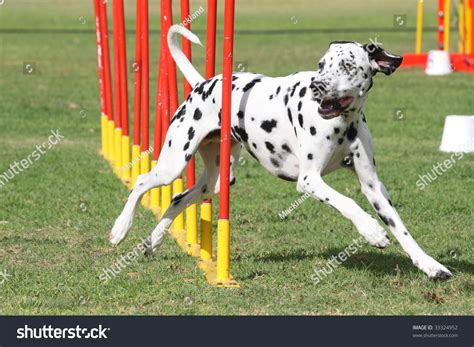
<point x="56" y="215"/>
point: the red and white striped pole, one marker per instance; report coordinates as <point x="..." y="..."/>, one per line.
<point x="223" y="229"/>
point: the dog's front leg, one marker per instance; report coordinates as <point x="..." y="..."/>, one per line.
<point x="374" y="190"/>
<point x="312" y="183"/>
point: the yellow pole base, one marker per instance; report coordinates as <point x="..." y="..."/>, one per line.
<point x="125" y="171"/>
<point x="135" y="163"/>
<point x="206" y="231"/>
<point x="165" y="198"/>
<point x="191" y="226"/>
<point x="111" y="141"/>
<point x="178" y="188"/>
<point x="155" y="196"/>
<point x="118" y="150"/>
<point x="145" y="168"/>
<point x="103" y="133"/>
<point x="223" y="250"/>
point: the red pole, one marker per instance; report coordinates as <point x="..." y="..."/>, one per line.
<point x="190" y="169"/>
<point x="157" y="138"/>
<point x="172" y="84"/>
<point x="123" y="68"/>
<point x="137" y="84"/>
<point x="211" y="38"/>
<point x="118" y="113"/>
<point x="441" y="24"/>
<point x="99" y="56"/>
<point x="106" y="59"/>
<point x="145" y="109"/>
<point x="226" y="108"/>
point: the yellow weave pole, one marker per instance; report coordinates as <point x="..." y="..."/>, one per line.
<point x="447" y="24"/>
<point x="103" y="133"/>
<point x="111" y="141"/>
<point x="155" y="196"/>
<point x="206" y="231"/>
<point x="468" y="22"/>
<point x="165" y="198"/>
<point x="223" y="250"/>
<point x="145" y="168"/>
<point x="135" y="163"/>
<point x="419" y="27"/>
<point x="191" y="226"/>
<point x="118" y="150"/>
<point x="461" y="27"/>
<point x="178" y="188"/>
<point x="125" y="170"/>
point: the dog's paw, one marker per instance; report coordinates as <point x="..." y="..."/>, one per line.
<point x="374" y="234"/>
<point x="120" y="229"/>
<point x="433" y="268"/>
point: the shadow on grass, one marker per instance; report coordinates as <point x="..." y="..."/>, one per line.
<point x="376" y="261"/>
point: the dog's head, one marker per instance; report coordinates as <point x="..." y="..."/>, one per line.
<point x="345" y="74"/>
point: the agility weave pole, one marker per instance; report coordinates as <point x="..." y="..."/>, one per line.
<point x="129" y="160"/>
<point x="463" y="60"/>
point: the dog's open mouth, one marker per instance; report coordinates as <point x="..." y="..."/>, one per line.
<point x="331" y="108"/>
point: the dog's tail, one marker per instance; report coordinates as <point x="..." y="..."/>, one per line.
<point x="188" y="70"/>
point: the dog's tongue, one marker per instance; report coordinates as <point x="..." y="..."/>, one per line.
<point x="331" y="108"/>
<point x="344" y="102"/>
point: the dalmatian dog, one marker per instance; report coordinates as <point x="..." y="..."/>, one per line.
<point x="298" y="127"/>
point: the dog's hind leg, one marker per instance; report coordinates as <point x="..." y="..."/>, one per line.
<point x="207" y="185"/>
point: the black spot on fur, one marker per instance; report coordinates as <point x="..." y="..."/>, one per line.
<point x="278" y="90"/>
<point x="352" y="133"/>
<point x="376" y="206"/>
<point x="187" y="157"/>
<point x="300" y="105"/>
<point x="232" y="181"/>
<point x="254" y="145"/>
<point x="290" y="117"/>
<point x="294" y="88"/>
<point x="268" y="125"/>
<point x="310" y="156"/>
<point x="286" y="148"/>
<point x="286" y="178"/>
<point x="186" y="146"/>
<point x="336" y="130"/>
<point x="169" y="143"/>
<point x="300" y="120"/>
<point x="251" y="84"/>
<point x="270" y="147"/>
<point x="384" y="219"/>
<point x="285" y="99"/>
<point x="340" y="141"/>
<point x="191" y="133"/>
<point x="197" y="114"/>
<point x="242" y="133"/>
<point x="312" y="130"/>
<point x="302" y="92"/>
<point x="405" y="233"/>
<point x="240" y="114"/>
<point x="275" y="162"/>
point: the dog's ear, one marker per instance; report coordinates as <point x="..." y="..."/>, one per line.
<point x="381" y="60"/>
